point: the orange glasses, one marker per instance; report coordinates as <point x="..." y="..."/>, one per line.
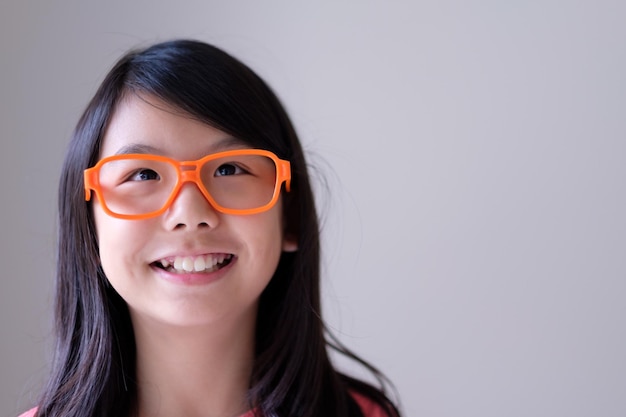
<point x="140" y="186"/>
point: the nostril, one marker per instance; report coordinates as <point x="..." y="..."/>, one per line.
<point x="183" y="225"/>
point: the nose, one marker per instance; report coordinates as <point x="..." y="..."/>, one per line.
<point x="191" y="210"/>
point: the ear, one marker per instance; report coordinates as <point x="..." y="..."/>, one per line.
<point x="290" y="243"/>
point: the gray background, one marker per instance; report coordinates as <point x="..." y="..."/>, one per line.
<point x="469" y="156"/>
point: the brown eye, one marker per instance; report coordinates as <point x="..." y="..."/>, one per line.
<point x="145" y="175"/>
<point x="227" y="169"/>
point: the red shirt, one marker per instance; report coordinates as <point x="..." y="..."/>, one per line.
<point x="369" y="408"/>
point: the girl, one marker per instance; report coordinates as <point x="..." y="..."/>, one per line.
<point x="188" y="263"/>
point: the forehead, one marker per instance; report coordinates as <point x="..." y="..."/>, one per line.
<point x="146" y="122"/>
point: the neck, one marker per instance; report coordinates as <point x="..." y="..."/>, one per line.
<point x="194" y="371"/>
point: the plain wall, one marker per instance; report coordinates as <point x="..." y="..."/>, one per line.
<point x="470" y="161"/>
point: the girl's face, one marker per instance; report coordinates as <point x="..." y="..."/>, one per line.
<point x="148" y="261"/>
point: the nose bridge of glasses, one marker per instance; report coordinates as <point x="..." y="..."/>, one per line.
<point x="190" y="175"/>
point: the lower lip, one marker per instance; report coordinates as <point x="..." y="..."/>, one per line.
<point x="194" y="278"/>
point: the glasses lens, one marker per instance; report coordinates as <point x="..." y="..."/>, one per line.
<point x="240" y="182"/>
<point x="136" y="186"/>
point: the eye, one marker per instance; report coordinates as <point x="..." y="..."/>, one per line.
<point x="228" y="169"/>
<point x="144" y="175"/>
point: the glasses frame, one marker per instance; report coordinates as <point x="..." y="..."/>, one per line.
<point x="188" y="171"/>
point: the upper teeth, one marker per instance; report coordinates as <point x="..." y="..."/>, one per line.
<point x="195" y="264"/>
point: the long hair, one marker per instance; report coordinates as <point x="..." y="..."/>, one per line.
<point x="93" y="371"/>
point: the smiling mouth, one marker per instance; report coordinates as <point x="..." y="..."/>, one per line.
<point x="198" y="264"/>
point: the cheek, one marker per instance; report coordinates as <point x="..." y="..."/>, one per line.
<point x="261" y="234"/>
<point x="120" y="242"/>
<point x="268" y="232"/>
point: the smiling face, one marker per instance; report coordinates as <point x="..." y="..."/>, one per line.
<point x="191" y="265"/>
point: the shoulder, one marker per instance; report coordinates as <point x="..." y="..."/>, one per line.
<point x="29" y="413"/>
<point x="368" y="406"/>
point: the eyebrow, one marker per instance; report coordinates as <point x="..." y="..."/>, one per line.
<point x="137" y="148"/>
<point x="224" y="144"/>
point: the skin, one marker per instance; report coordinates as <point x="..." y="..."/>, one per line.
<point x="195" y="333"/>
